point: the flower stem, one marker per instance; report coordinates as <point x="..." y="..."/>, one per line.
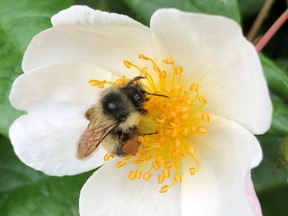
<point x="273" y="29"/>
<point x="259" y="20"/>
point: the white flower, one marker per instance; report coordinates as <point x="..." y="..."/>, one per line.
<point x="215" y="69"/>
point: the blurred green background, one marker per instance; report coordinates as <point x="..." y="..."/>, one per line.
<point x="24" y="191"/>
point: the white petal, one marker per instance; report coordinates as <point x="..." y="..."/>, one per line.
<point x="109" y="192"/>
<point x="99" y="38"/>
<point x="65" y="84"/>
<point x="56" y="98"/>
<point x="252" y="197"/>
<point x="52" y="147"/>
<point x="214" y="53"/>
<point x="85" y="16"/>
<point x="226" y="154"/>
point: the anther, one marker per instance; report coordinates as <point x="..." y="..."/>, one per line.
<point x="144" y="71"/>
<point x="108" y="156"/>
<point x="138" y="174"/>
<point x="127" y="64"/>
<point x="120" y="81"/>
<point x="178" y="70"/>
<point x="202" y="99"/>
<point x="194" y="87"/>
<point x="120" y="164"/>
<point x="141" y="56"/>
<point x="155" y="165"/>
<point x="206" y="117"/>
<point x="178" y="178"/>
<point x="168" y="164"/>
<point x="162" y="74"/>
<point x="201" y="130"/>
<point x="132" y="175"/>
<point x="166" y="173"/>
<point x="192" y="149"/>
<point x="192" y="170"/>
<point x="160" y="179"/>
<point x="169" y="60"/>
<point x="99" y="84"/>
<point x="156" y="68"/>
<point x="147" y="176"/>
<point x="164" y="189"/>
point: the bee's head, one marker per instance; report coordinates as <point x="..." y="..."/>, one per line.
<point x="135" y="93"/>
<point x="115" y="105"/>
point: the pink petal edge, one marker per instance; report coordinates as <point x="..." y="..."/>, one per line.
<point x="252" y="197"/>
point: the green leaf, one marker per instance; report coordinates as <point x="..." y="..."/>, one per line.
<point x="277" y="78"/>
<point x="283" y="155"/>
<point x="282" y="63"/>
<point x="144" y="9"/>
<point x="271" y="187"/>
<point x="274" y="201"/>
<point x="279" y="124"/>
<point x="263" y="176"/>
<point x="26" y="192"/>
<point x="249" y="8"/>
<point x="19" y="22"/>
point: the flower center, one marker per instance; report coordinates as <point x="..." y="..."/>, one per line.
<point x="168" y="125"/>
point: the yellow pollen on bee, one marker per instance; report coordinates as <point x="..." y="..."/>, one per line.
<point x="167" y="130"/>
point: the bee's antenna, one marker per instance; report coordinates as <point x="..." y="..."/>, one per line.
<point x="141" y="77"/>
<point x="155" y="94"/>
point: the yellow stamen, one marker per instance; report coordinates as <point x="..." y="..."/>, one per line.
<point x="127" y="64"/>
<point x="132" y="175"/>
<point x="170" y="124"/>
<point x="147" y="176"/>
<point x="108" y="156"/>
<point x="194" y="87"/>
<point x="201" y="130"/>
<point x="170" y="60"/>
<point x="99" y="84"/>
<point x="160" y="179"/>
<point x="164" y="189"/>
<point x="206" y="117"/>
<point x="192" y="170"/>
<point x="120" y="164"/>
<point x="178" y="178"/>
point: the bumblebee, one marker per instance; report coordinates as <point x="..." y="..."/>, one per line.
<point x="115" y="118"/>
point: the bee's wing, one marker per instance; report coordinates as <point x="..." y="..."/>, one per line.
<point x="93" y="135"/>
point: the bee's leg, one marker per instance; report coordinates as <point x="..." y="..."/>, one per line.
<point x="142" y="111"/>
<point x="119" y="151"/>
<point x="128" y="142"/>
<point x="148" y="134"/>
